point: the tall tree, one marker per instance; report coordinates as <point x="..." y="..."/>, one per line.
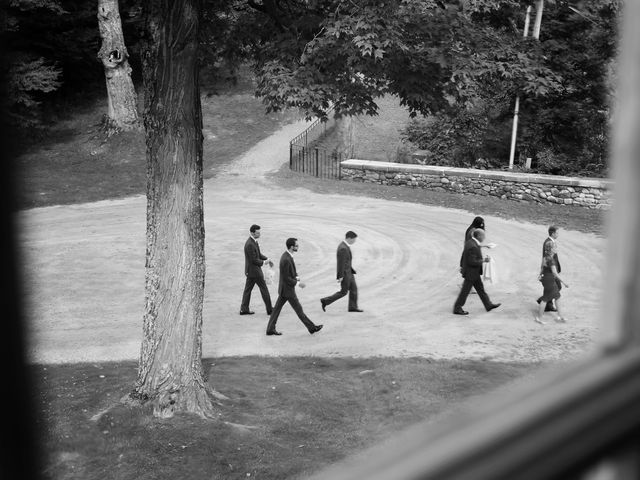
<point x="122" y="111"/>
<point x="170" y="372"/>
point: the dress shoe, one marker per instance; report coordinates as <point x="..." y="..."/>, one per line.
<point x="315" y="329"/>
<point x="492" y="306"/>
<point x="355" y="310"/>
<point x="246" y="313"/>
<point x="324" y="305"/>
<point x="275" y="332"/>
<point x="459" y="311"/>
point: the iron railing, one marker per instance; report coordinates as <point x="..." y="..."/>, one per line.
<point x="307" y="155"/>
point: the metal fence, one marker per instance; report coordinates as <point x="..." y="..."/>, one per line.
<point x="315" y="161"/>
<point x="306" y="155"/>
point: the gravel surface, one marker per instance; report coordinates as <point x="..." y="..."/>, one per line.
<point x="84" y="273"/>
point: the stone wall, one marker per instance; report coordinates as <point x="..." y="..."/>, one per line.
<point x="528" y="187"/>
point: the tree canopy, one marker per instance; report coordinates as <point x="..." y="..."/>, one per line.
<point x="461" y="60"/>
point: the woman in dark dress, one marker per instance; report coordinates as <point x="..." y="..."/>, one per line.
<point x="550" y="278"/>
<point x="478" y="222"/>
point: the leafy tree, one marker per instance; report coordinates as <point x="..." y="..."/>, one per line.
<point x="564" y="129"/>
<point x="29" y="75"/>
<point x="313" y="54"/>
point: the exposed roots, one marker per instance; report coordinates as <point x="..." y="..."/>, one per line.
<point x="109" y="127"/>
<point x="188" y="399"/>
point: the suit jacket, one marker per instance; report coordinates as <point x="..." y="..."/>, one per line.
<point x="555" y="255"/>
<point x="344" y="261"/>
<point x="468" y="234"/>
<point x="253" y="259"/>
<point x="288" y="276"/>
<point x="472" y="260"/>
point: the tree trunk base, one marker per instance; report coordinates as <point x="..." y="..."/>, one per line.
<point x="189" y="399"/>
<point x="109" y="127"/>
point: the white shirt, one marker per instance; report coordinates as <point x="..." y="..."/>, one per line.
<point x="291" y="255"/>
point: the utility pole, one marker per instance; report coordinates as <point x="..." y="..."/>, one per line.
<point x="516" y="109"/>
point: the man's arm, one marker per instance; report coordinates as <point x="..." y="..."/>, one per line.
<point x="251" y="251"/>
<point x="288" y="274"/>
<point x="342" y="262"/>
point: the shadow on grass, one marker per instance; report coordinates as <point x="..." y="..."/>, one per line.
<point x="304" y="412"/>
<point x="76" y="163"/>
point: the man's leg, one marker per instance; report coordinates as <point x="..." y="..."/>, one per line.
<point x="295" y="303"/>
<point x="479" y="286"/>
<point x="264" y="291"/>
<point x="246" y="295"/>
<point x="464" y="293"/>
<point x="353" y="294"/>
<point x="275" y="313"/>
<point x="344" y="289"/>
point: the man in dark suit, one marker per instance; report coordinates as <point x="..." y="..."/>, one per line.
<point x="472" y="272"/>
<point x="287" y="291"/>
<point x="345" y="275"/>
<point x="548" y="244"/>
<point x="253" y="261"/>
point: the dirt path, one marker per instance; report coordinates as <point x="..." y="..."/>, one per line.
<point x="84" y="270"/>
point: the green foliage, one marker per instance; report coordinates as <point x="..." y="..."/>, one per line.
<point x="566" y="86"/>
<point x="459" y="137"/>
<point x="27" y="78"/>
<point x="313" y="54"/>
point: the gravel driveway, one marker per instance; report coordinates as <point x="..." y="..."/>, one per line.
<point x="84" y="276"/>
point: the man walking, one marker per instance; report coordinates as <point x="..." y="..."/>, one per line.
<point x="548" y="245"/>
<point x="287" y="291"/>
<point x="472" y="272"/>
<point x="345" y="275"/>
<point x="253" y="261"/>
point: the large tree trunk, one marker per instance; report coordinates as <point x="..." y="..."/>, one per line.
<point x="123" y="112"/>
<point x="170" y="371"/>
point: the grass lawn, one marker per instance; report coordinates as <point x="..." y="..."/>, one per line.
<point x="74" y="163"/>
<point x="378" y="138"/>
<point x="566" y="216"/>
<point x="303" y="414"/>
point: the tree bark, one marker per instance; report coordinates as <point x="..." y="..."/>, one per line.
<point x="344" y="126"/>
<point x="170" y="371"/>
<point x="122" y="111"/>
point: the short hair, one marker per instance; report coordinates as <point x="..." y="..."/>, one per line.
<point x="253" y="228"/>
<point x="291" y="242"/>
<point x="553" y="229"/>
<point x="476" y="233"/>
<point x="350" y="234"/>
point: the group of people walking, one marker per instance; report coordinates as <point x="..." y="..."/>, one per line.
<point x="289" y="280"/>
<point x="472" y="262"/>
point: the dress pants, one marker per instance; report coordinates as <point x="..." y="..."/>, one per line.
<point x="295" y="304"/>
<point x="248" y="287"/>
<point x="348" y="285"/>
<point x="466" y="288"/>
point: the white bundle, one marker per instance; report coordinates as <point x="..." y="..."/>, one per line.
<point x="269" y="275"/>
<point x="489" y="273"/>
